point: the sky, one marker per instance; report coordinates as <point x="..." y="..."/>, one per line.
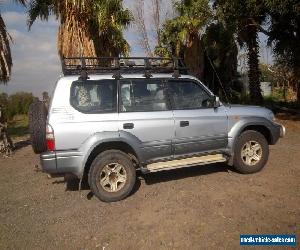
<point x="36" y="65"/>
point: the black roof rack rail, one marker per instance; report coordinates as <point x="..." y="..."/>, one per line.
<point x="121" y="65"/>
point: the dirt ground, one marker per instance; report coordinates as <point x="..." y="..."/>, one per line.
<point x="204" y="207"/>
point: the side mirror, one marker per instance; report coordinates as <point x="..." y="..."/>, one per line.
<point x="216" y="102"/>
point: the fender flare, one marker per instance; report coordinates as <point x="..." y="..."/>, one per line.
<point x="239" y="126"/>
<point x="97" y="139"/>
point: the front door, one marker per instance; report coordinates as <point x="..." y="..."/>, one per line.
<point x="145" y="113"/>
<point x="199" y="127"/>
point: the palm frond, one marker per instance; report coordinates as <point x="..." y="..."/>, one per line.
<point x="89" y="28"/>
<point x="41" y="9"/>
<point x="5" y="53"/>
<point x="22" y="2"/>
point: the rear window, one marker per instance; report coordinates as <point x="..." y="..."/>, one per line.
<point x="92" y="96"/>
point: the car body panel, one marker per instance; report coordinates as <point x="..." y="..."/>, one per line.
<point x="154" y="130"/>
<point x="207" y="130"/>
<point x="156" y="136"/>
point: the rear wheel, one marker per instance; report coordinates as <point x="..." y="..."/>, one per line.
<point x="112" y="176"/>
<point x="251" y="152"/>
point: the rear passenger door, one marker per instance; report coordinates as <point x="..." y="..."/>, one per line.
<point x="145" y="113"/>
<point x="199" y="127"/>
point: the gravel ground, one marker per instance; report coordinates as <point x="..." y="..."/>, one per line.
<point x="204" y="207"/>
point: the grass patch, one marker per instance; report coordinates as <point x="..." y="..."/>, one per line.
<point x="18" y="126"/>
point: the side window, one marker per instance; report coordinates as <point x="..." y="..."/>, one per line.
<point x="142" y="95"/>
<point x="188" y="95"/>
<point x="94" y="96"/>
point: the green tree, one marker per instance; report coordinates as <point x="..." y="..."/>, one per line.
<point x="87" y="28"/>
<point x="246" y="18"/>
<point x="206" y="45"/>
<point x="5" y="52"/>
<point x="284" y="35"/>
<point x="3" y="99"/>
<point x="181" y="36"/>
<point x="267" y="75"/>
<point x="18" y="104"/>
<point x="221" y="51"/>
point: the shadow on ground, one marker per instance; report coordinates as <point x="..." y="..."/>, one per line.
<point x="181" y="173"/>
<point x="72" y="182"/>
<point x="21" y="144"/>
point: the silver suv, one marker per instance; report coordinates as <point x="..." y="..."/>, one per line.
<point x="107" y="122"/>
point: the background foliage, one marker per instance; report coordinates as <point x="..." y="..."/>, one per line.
<point x="16" y="104"/>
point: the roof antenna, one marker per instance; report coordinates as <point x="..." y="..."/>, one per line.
<point x="221" y="84"/>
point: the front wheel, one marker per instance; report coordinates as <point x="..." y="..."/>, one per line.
<point x="251" y="152"/>
<point x="112" y="176"/>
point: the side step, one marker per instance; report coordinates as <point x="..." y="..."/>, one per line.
<point x="187" y="162"/>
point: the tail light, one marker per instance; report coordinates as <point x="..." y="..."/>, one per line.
<point x="50" y="138"/>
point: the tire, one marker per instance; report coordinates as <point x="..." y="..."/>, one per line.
<point x="250" y="158"/>
<point x="106" y="185"/>
<point x="37" y="126"/>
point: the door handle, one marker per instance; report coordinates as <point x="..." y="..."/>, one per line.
<point x="128" y="125"/>
<point x="184" y="123"/>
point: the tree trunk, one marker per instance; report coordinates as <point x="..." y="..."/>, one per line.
<point x="253" y="74"/>
<point x="194" y="57"/>
<point x="6" y="144"/>
<point x="74" y="38"/>
<point x="298" y="91"/>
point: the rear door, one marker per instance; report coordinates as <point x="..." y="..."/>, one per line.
<point x="145" y="113"/>
<point x="199" y="127"/>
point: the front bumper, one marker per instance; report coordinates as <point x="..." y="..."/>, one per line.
<point x="282" y="131"/>
<point x="62" y="162"/>
<point x="277" y="131"/>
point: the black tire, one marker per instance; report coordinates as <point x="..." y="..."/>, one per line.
<point x="37" y="126"/>
<point x="239" y="160"/>
<point x="97" y="170"/>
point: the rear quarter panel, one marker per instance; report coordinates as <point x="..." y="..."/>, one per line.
<point x="71" y="127"/>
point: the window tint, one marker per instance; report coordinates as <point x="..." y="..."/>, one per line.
<point x="189" y="95"/>
<point x="142" y="95"/>
<point x="94" y="96"/>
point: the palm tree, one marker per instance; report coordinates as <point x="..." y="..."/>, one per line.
<point x="5" y="73"/>
<point x="246" y="17"/>
<point x="181" y="36"/>
<point x="87" y="28"/>
<point x="220" y="59"/>
<point x="5" y="56"/>
<point x="5" y="53"/>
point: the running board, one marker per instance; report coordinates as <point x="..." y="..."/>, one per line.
<point x="187" y="162"/>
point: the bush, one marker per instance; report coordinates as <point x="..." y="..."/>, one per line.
<point x="16" y="104"/>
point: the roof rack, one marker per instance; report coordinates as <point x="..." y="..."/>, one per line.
<point x="120" y="65"/>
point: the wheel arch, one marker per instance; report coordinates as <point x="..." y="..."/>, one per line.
<point x="109" y="144"/>
<point x="261" y="129"/>
<point x="260" y="125"/>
